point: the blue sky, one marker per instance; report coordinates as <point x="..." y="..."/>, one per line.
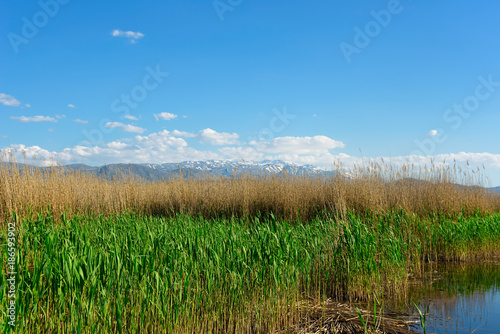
<point x="86" y="81"/>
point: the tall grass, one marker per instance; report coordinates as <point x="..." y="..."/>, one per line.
<point x="374" y="188"/>
<point x="229" y="254"/>
<point x="182" y="275"/>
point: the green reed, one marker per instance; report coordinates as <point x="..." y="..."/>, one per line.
<point x="131" y="274"/>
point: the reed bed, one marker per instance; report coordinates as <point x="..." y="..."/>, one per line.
<point x="229" y="255"/>
<point x="137" y="274"/>
<point x="375" y="188"/>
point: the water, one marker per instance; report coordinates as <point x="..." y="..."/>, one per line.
<point x="458" y="299"/>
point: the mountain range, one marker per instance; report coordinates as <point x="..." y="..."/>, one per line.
<point x="199" y="169"/>
<point x="193" y="169"/>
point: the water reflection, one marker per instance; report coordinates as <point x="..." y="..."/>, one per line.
<point x="458" y="298"/>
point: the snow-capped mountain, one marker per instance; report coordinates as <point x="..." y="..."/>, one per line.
<point x="231" y="168"/>
<point x="193" y="169"/>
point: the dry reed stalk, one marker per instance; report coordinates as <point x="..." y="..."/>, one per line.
<point x="374" y="188"/>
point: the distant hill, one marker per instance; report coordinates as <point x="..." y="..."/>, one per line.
<point x="192" y="169"/>
<point x="231" y="168"/>
<point x="109" y="171"/>
<point x="116" y="170"/>
<point x="198" y="169"/>
<point x="497" y="189"/>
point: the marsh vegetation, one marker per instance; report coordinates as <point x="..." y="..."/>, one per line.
<point x="231" y="255"/>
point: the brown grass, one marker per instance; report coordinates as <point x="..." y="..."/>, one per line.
<point x="335" y="317"/>
<point x="373" y="188"/>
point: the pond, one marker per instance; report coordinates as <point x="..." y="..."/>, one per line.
<point x="463" y="298"/>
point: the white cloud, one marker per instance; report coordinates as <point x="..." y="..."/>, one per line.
<point x="159" y="147"/>
<point x="242" y="153"/>
<point x="71" y="105"/>
<point x="81" y="121"/>
<point x="432" y="133"/>
<point x="298" y="145"/>
<point x="207" y="136"/>
<point x="488" y="159"/>
<point x="132" y="36"/>
<point x="125" y="127"/>
<point x="25" y="119"/>
<point x="130" y="117"/>
<point x="117" y="145"/>
<point x="213" y="137"/>
<point x="60" y="116"/>
<point x="33" y="152"/>
<point x="170" y="146"/>
<point x="9" y="100"/>
<point x="184" y="134"/>
<point x="27" y="105"/>
<point x="160" y="141"/>
<point x="165" y="116"/>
